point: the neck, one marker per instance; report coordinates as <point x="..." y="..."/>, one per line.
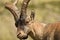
<point x="37" y="30"/>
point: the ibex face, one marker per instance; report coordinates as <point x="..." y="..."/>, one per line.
<point x="23" y="26"/>
<point x="22" y="30"/>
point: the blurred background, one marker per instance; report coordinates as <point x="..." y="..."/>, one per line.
<point x="46" y="11"/>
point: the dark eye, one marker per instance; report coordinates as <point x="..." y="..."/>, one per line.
<point x="27" y="21"/>
<point x="16" y="24"/>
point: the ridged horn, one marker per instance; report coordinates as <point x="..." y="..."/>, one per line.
<point x="13" y="9"/>
<point x="24" y="9"/>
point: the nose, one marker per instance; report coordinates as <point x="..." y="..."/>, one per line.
<point x="18" y="35"/>
<point x="25" y="36"/>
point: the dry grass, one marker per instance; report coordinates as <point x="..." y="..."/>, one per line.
<point x="46" y="11"/>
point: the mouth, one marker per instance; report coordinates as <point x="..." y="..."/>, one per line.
<point x="23" y="37"/>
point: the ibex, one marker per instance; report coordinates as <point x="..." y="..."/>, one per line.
<point x="25" y="24"/>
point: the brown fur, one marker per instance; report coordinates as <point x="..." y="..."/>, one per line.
<point x="33" y="29"/>
<point x="36" y="30"/>
<point x="52" y="31"/>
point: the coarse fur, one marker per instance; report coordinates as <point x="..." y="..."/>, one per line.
<point x="52" y="31"/>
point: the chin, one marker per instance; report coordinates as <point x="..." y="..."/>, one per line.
<point x="25" y="38"/>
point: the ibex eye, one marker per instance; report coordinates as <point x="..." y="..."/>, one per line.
<point x="27" y="21"/>
<point x="16" y="24"/>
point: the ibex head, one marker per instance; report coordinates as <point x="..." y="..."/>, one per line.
<point x="23" y="26"/>
<point x="22" y="21"/>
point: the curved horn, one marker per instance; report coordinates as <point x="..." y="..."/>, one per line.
<point x="24" y="8"/>
<point x="13" y="9"/>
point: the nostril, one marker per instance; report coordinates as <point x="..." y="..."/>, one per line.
<point x="18" y="34"/>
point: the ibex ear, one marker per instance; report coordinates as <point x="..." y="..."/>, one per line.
<point x="32" y="16"/>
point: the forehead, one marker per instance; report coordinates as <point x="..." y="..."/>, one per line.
<point x="23" y="27"/>
<point x="23" y="22"/>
